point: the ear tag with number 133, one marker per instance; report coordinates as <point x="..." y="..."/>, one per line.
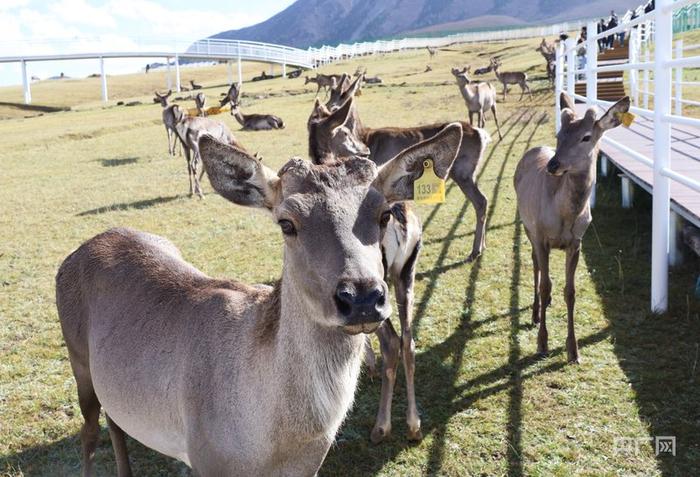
<point x="429" y="188"/>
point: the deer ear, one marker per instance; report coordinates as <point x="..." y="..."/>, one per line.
<point x="395" y="179"/>
<point x="238" y="176"/>
<point x="611" y="118"/>
<point x="320" y="111"/>
<point x="340" y="115"/>
<point x="565" y="102"/>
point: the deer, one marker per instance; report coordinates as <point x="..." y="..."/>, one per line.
<point x="323" y="81"/>
<point x="553" y="189"/>
<point x="231" y="378"/>
<point x="431" y="51"/>
<point x="256" y="122"/>
<point x="189" y="130"/>
<point x="200" y="101"/>
<point x="383" y="142"/>
<point x="548" y="52"/>
<point x="169" y="119"/>
<point x="194" y="85"/>
<point x="507" y="78"/>
<point x="478" y="96"/>
<point x="231" y="96"/>
<point x="483" y="70"/>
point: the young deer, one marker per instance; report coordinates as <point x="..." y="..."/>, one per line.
<point x="479" y="97"/>
<point x="554" y="189"/>
<point x="200" y="102"/>
<point x="169" y="119"/>
<point x="229" y="378"/>
<point x="507" y="78"/>
<point x="190" y="130"/>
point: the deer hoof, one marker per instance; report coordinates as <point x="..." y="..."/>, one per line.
<point x="414" y="435"/>
<point x="535" y="317"/>
<point x="379" y="434"/>
<point x="473" y="256"/>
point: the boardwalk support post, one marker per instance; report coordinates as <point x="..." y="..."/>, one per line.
<point x="177" y="74"/>
<point x="103" y="77"/>
<point x="169" y="80"/>
<point x="25" y="84"/>
<point x="603" y="165"/>
<point x="229" y="71"/>
<point x="662" y="147"/>
<point x="627" y="192"/>
<point x="675" y="253"/>
<point x="240" y="68"/>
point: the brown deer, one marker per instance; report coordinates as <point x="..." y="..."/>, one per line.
<point x="383" y="142"/>
<point x="231" y="96"/>
<point x="401" y="244"/>
<point x="553" y="189"/>
<point x="432" y="51"/>
<point x="169" y="119"/>
<point x="233" y="379"/>
<point x="478" y="96"/>
<point x="194" y="85"/>
<point x="323" y="81"/>
<point x="548" y="52"/>
<point x="256" y="122"/>
<point x="189" y="129"/>
<point x="484" y="70"/>
<point x="200" y="101"/>
<point x="507" y="78"/>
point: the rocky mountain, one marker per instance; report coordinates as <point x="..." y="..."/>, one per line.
<point x="317" y="22"/>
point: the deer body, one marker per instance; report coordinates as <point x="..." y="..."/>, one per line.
<point x="324" y="81"/>
<point x="548" y="52"/>
<point x="257" y="122"/>
<point x="511" y="77"/>
<point x="200" y="101"/>
<point x="229" y="378"/>
<point x="553" y="190"/>
<point x="479" y="97"/>
<point x="169" y="119"/>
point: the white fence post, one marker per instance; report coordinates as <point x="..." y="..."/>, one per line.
<point x="679" y="81"/>
<point x="571" y="67"/>
<point x="647" y="56"/>
<point x="633" y="45"/>
<point x="25" y="84"/>
<point x="591" y="64"/>
<point x="168" y="80"/>
<point x="558" y="83"/>
<point x="103" y="77"/>
<point x="229" y="71"/>
<point x="663" y="37"/>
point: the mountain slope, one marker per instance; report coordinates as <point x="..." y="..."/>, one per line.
<point x="316" y="22"/>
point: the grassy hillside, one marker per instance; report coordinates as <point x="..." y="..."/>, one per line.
<point x="488" y="406"/>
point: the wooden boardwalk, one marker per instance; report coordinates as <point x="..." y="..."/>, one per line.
<point x="685" y="159"/>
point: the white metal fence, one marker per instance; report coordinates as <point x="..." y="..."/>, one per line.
<point x="662" y="65"/>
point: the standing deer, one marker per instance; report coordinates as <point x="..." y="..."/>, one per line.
<point x="553" y="189"/>
<point x="548" y="52"/>
<point x="233" y="379"/>
<point x="200" y="102"/>
<point x="507" y="78"/>
<point x="169" y="119"/>
<point x="231" y="97"/>
<point x="479" y="97"/>
<point x="190" y="130"/>
<point x="323" y="81"/>
<point x="256" y="122"/>
<point x="432" y="51"/>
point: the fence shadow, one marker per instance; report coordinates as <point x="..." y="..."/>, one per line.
<point x="657" y="353"/>
<point x="118" y="162"/>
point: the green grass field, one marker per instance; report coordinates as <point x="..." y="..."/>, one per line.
<point x="488" y="406"/>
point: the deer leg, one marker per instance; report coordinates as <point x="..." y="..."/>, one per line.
<point x="390" y="345"/>
<point x="504" y="91"/>
<point x="189" y="169"/>
<point x="370" y="359"/>
<point x="536" y="300"/>
<point x="479" y="201"/>
<point x="495" y="118"/>
<point x="545" y="293"/>
<point x="480" y="117"/>
<point x="171" y="149"/>
<point x="90" y="408"/>
<point x="193" y="165"/>
<point x="572" y="254"/>
<point x="471" y="118"/>
<point x="118" y="438"/>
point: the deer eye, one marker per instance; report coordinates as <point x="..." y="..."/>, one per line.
<point x="586" y="138"/>
<point x="386" y="215"/>
<point x="287" y="227"/>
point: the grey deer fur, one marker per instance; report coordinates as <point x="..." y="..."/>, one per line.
<point x="229" y="378"/>
<point x="554" y="189"/>
<point x="169" y="119"/>
<point x="478" y="96"/>
<point x="511" y="77"/>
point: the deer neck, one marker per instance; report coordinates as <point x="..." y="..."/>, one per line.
<point x="576" y="189"/>
<point x="319" y="364"/>
<point x="239" y="117"/>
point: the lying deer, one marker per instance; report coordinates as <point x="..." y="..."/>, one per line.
<point x="194" y="85"/>
<point x="256" y="122"/>
<point x="189" y="129"/>
<point x="169" y="119"/>
<point x="478" y="96"/>
<point x="483" y="71"/>
<point x="507" y="78"/>
<point x="233" y="379"/>
<point x="383" y="142"/>
<point x="200" y="102"/>
<point x="553" y="189"/>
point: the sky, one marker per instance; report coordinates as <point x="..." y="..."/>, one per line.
<point x="69" y="26"/>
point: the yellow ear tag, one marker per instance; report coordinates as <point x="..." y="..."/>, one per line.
<point x="626" y="118"/>
<point x="429" y="188"/>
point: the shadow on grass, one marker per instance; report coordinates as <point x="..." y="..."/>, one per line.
<point x="139" y="204"/>
<point x="118" y="162"/>
<point x="657" y="353"/>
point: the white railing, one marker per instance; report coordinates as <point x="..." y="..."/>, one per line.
<point x="662" y="65"/>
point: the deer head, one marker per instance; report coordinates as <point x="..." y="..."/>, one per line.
<point x="340" y="95"/>
<point x="162" y="98"/>
<point x="578" y="138"/>
<point x="332" y="134"/>
<point x="331" y="217"/>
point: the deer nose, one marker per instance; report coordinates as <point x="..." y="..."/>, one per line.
<point x="361" y="301"/>
<point x="553" y="166"/>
